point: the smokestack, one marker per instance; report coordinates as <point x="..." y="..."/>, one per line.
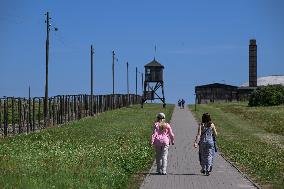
<point x="252" y="63"/>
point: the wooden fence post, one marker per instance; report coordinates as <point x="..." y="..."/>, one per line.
<point x="49" y="111"/>
<point x="30" y="115"/>
<point x="53" y="112"/>
<point x="0" y="113"/>
<point x="13" y="115"/>
<point x="57" y="110"/>
<point x="38" y="115"/>
<point x="20" y="114"/>
<point x="33" y="114"/>
<point x="25" y="118"/>
<point x="61" y="109"/>
<point x="5" y="117"/>
<point x="68" y="108"/>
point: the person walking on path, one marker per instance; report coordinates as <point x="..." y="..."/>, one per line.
<point x="182" y="103"/>
<point x="179" y="103"/>
<point x="162" y="137"/>
<point x="206" y="132"/>
<point x="183" y="167"/>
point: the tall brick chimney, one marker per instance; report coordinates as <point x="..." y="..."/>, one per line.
<point x="252" y="63"/>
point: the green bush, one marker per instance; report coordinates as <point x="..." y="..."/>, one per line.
<point x="270" y="95"/>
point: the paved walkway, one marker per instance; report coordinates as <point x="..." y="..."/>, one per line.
<point x="183" y="165"/>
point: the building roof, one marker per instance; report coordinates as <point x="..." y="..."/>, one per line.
<point x="268" y="80"/>
<point x="247" y="88"/>
<point x="216" y="85"/>
<point x="154" y="63"/>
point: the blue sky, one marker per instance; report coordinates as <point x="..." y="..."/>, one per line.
<point x="198" y="42"/>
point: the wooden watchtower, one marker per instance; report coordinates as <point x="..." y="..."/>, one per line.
<point x="153" y="82"/>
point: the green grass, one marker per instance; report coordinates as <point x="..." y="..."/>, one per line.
<point x="252" y="138"/>
<point x="270" y="118"/>
<point x="108" y="151"/>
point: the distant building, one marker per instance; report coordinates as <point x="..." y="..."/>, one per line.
<point x="217" y="92"/>
<point x="244" y="90"/>
<point x="268" y="80"/>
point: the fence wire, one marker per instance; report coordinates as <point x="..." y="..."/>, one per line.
<point x="25" y="115"/>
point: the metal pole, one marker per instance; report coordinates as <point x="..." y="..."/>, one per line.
<point x="142" y="82"/>
<point x="92" y="92"/>
<point x="127" y="81"/>
<point x="113" y="54"/>
<point x="46" y="71"/>
<point x="136" y="82"/>
<point x="195" y="102"/>
<point x="92" y="52"/>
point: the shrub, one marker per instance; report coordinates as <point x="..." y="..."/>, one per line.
<point x="270" y="95"/>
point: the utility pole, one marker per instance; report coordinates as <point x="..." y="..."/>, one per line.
<point x="92" y="92"/>
<point x="46" y="122"/>
<point x="136" y="82"/>
<point x="46" y="113"/>
<point x="113" y="54"/>
<point x="142" y="93"/>
<point x="127" y="78"/>
<point x="142" y="82"/>
<point x="195" y="102"/>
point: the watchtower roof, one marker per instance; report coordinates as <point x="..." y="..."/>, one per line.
<point x="154" y="63"/>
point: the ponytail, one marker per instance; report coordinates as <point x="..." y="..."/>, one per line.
<point x="163" y="124"/>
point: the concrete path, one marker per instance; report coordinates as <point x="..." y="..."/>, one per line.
<point x="183" y="165"/>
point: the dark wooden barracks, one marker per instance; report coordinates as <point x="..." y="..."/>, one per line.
<point x="217" y="92"/>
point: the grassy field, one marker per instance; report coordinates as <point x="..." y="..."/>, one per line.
<point x="252" y="138"/>
<point x="111" y="150"/>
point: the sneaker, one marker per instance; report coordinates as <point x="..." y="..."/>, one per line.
<point x="164" y="173"/>
<point x="202" y="171"/>
<point x="207" y="173"/>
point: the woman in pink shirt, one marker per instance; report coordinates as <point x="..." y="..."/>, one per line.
<point x="162" y="137"/>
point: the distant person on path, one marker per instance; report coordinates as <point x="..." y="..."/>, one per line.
<point x="162" y="137"/>
<point x="179" y="103"/>
<point x="205" y="134"/>
<point x="182" y="103"/>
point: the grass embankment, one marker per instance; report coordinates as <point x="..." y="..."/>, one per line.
<point x="252" y="138"/>
<point x="107" y="151"/>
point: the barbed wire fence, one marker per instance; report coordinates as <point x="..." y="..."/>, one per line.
<point x="26" y="115"/>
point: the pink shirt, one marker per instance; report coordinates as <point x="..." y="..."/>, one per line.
<point x="162" y="137"/>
